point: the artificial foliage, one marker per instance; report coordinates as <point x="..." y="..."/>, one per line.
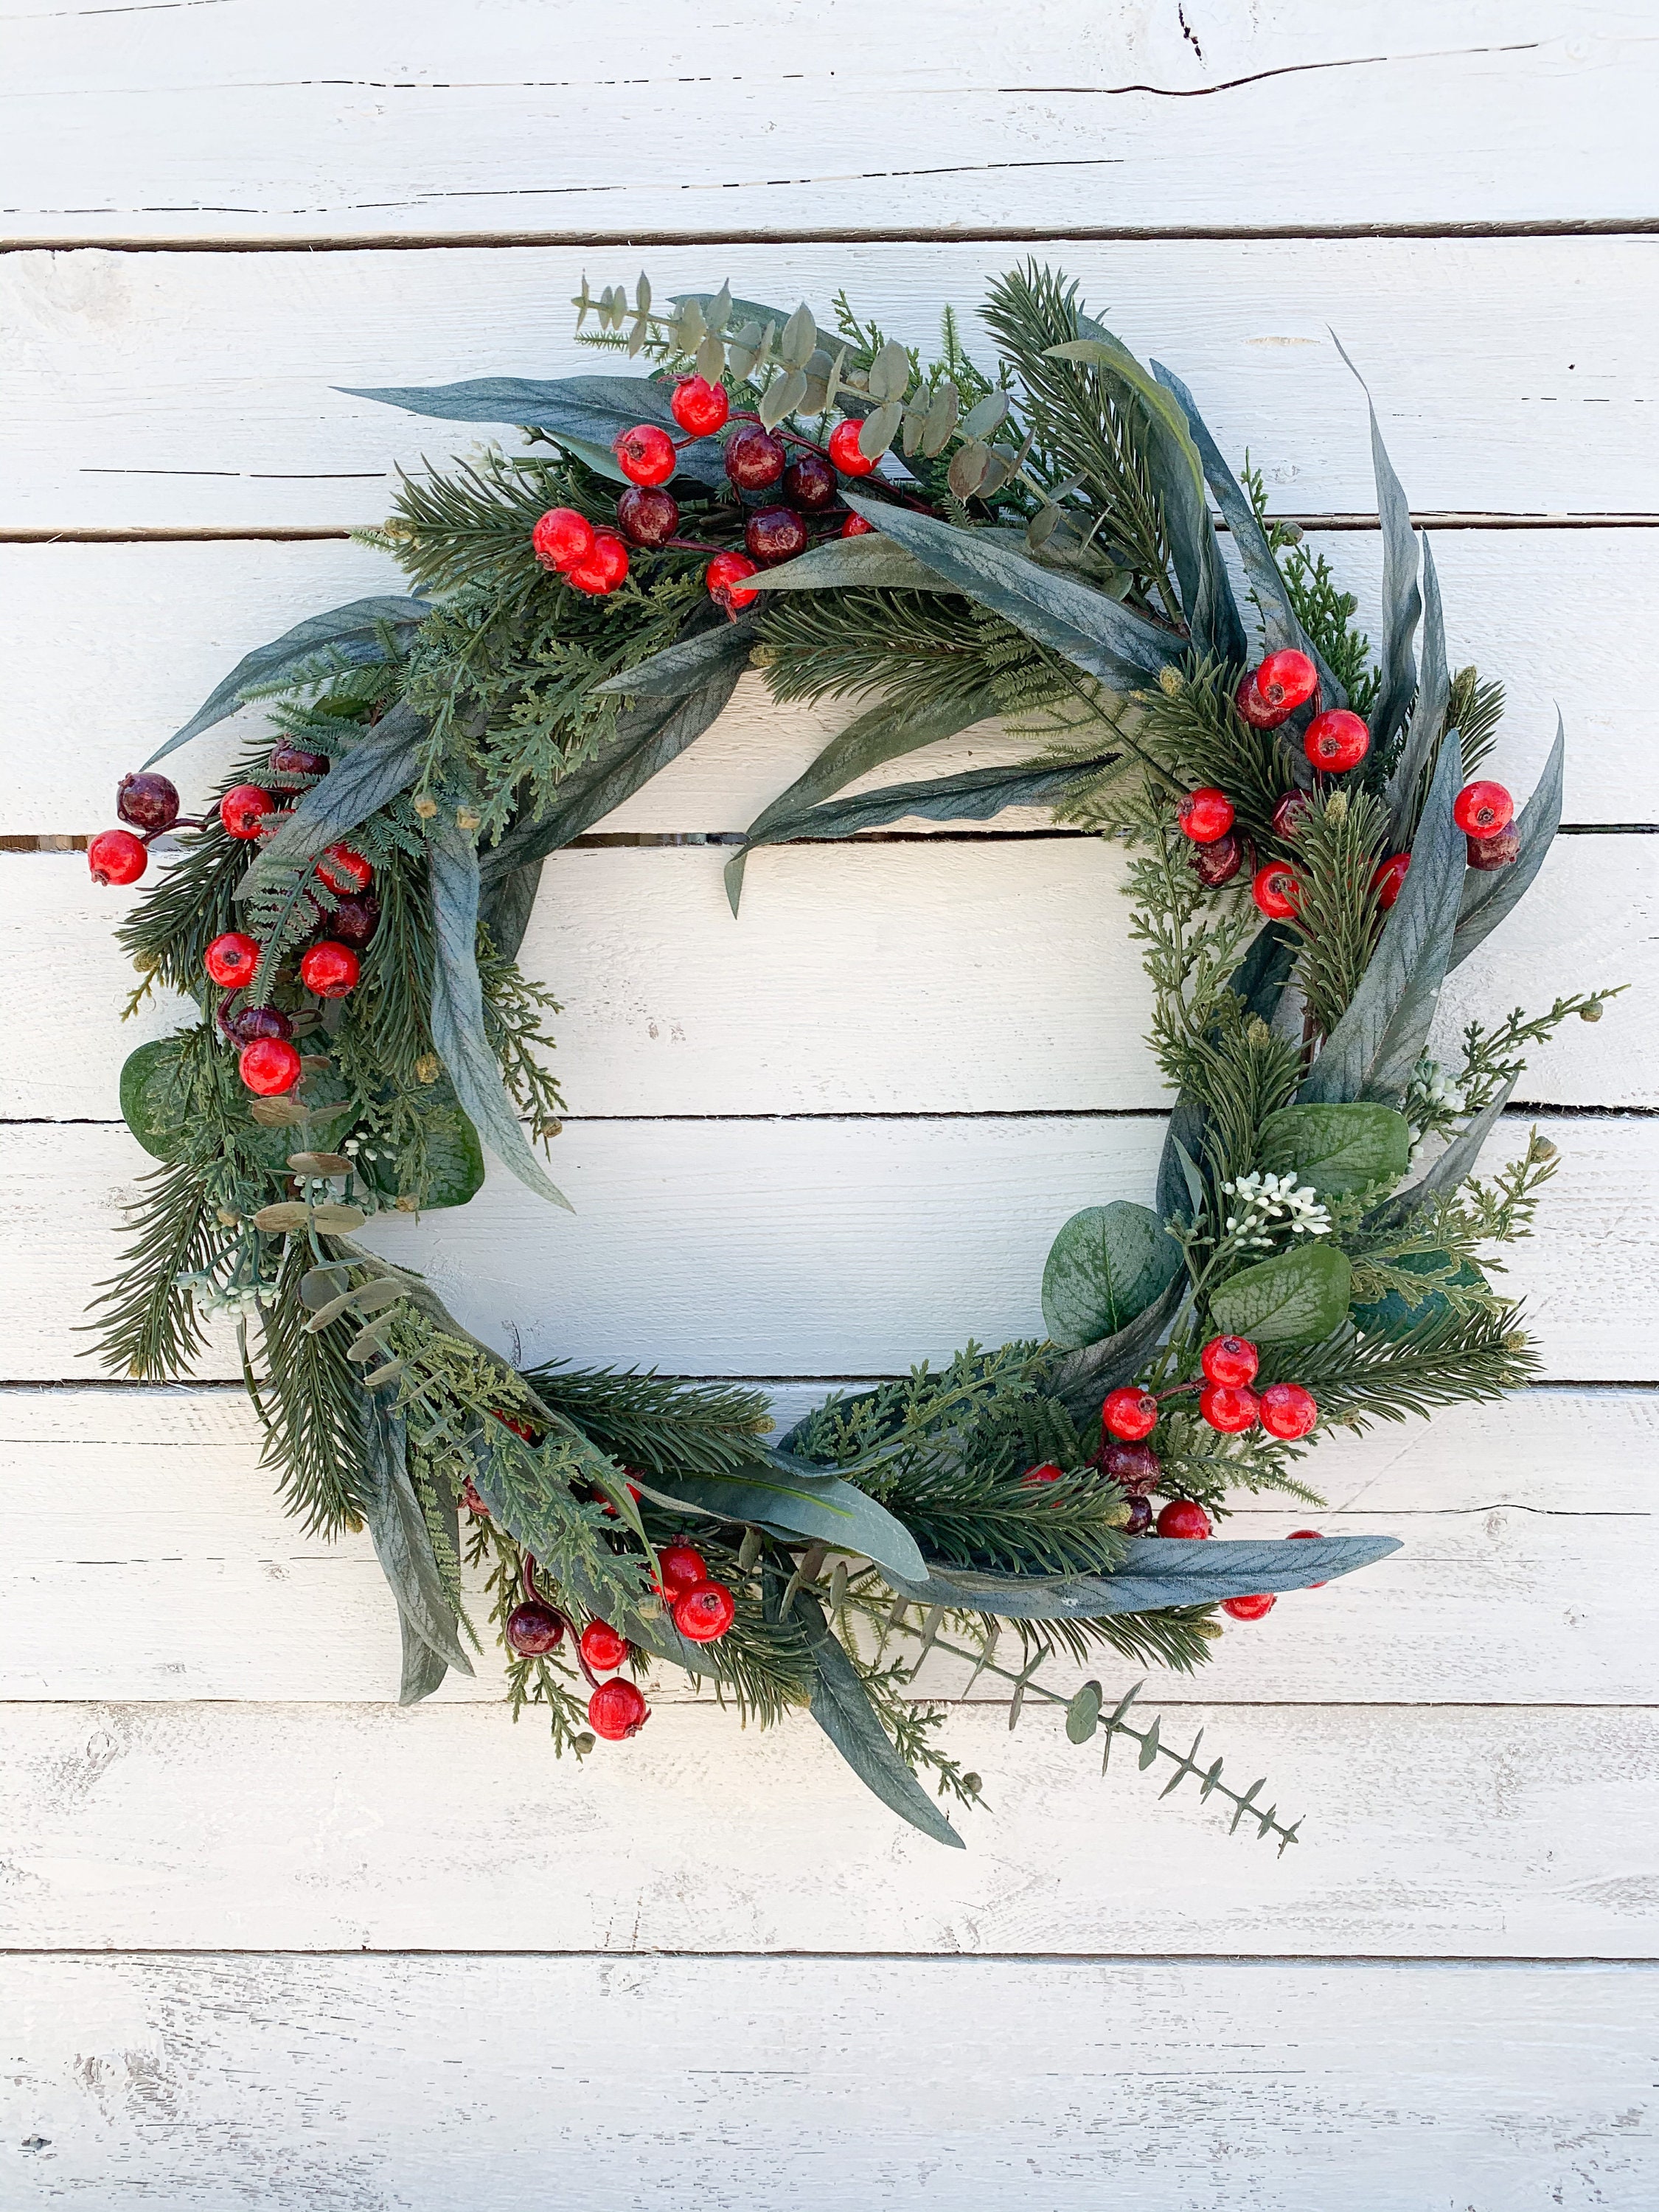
<point x="936" y="540"/>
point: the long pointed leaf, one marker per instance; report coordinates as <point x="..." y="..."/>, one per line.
<point x="506" y="904"/>
<point x="1428" y="711"/>
<point x="1157" y="1572"/>
<point x="1401" y="604"/>
<point x="360" y="783"/>
<point x="1456" y="1162"/>
<point x="591" y="410"/>
<point x="1082" y="1380"/>
<point x="1487" y="899"/>
<point x="403" y="1548"/>
<point x="975" y="796"/>
<point x="840" y="1705"/>
<point x="833" y="1511"/>
<point x="868" y="564"/>
<point x="686" y="665"/>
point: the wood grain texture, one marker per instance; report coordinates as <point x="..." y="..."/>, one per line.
<point x="211" y="377"/>
<point x="118" y="645"/>
<point x="301" y="121"/>
<point x="800" y="1246"/>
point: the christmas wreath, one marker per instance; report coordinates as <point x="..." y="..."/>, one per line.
<point x="941" y="542"/>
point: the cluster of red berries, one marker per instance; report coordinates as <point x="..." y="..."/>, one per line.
<point x="647" y="514"/>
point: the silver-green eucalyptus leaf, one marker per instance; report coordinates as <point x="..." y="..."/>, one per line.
<point x="1488" y="897"/>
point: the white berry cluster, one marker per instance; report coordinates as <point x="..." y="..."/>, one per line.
<point x="1266" y="1205"/>
<point x="241" y="1300"/>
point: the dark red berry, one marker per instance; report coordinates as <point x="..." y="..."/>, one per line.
<point x="1228" y="1407"/>
<point x="844" y="450"/>
<point x="1256" y="709"/>
<point x="809" y="484"/>
<point x="1490" y="854"/>
<point x="1216" y="863"/>
<point x="148" y="802"/>
<point x="243" y="808"/>
<point x="1183" y="1518"/>
<point x="343" y="871"/>
<point x="1388" y="879"/>
<point x="1250" y="1608"/>
<point x="1229" y="1359"/>
<point x="1307" y="1536"/>
<point x="682" y="1567"/>
<point x="605" y="568"/>
<point x="856" y="526"/>
<point x="1287" y="815"/>
<point x="1336" y="741"/>
<point x="602" y="1647"/>
<point x="533" y="1629"/>
<point x="617" y="1711"/>
<point x="1481" y="809"/>
<point x="294" y="760"/>
<point x="754" y="458"/>
<point x="561" y="538"/>
<point x="251" y="1023"/>
<point x="699" y="406"/>
<point x="1276" y="891"/>
<point x="355" y="921"/>
<point x="231" y="959"/>
<point x="777" y="533"/>
<point x="1140" y="1517"/>
<point x="1130" y="1413"/>
<point x="704" y="1615"/>
<point x="1046" y="1471"/>
<point x="645" y="455"/>
<point x="269" y="1066"/>
<point x="330" y="969"/>
<point x="1288" y="1411"/>
<point x="116" y="856"/>
<point x="1133" y="1468"/>
<point x="648" y="518"/>
<point x="1205" y="815"/>
<point x="725" y="577"/>
<point x="469" y="1498"/>
<point x="1286" y="679"/>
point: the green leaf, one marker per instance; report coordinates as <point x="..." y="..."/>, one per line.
<point x="1157" y="1572"/>
<point x="455" y="1158"/>
<point x="358" y="785"/>
<point x="975" y="796"/>
<point x="350" y="634"/>
<point x="866" y="563"/>
<point x="1395" y="1316"/>
<point x="1489" y="896"/>
<point x="1401" y="604"/>
<point x="1083" y="1714"/>
<point x="1336" y="1148"/>
<point x="1457" y="1161"/>
<point x="1081" y="1382"/>
<point x="1107" y="1265"/>
<point x="1428" y="715"/>
<point x="828" y="1508"/>
<point x="154" y="1107"/>
<point x="403" y="1548"/>
<point x="840" y="1705"/>
<point x="1293" y="1298"/>
<point x="591" y="410"/>
<point x="686" y="665"/>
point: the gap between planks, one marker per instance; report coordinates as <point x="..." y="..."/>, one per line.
<point x="1522" y="1961"/>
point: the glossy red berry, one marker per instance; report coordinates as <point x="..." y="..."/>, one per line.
<point x="1229" y="1408"/>
<point x="1276" y="891"/>
<point x="605" y="568"/>
<point x="1288" y="1411"/>
<point x="702" y="1615"/>
<point x="1286" y="679"/>
<point x="242" y="809"/>
<point x="648" y="518"/>
<point x="602" y="1647"/>
<point x="617" y="1711"/>
<point x="1229" y="1359"/>
<point x="1216" y="863"/>
<point x="1048" y="1472"/>
<point x="1388" y="879"/>
<point x="1287" y="815"/>
<point x="355" y="921"/>
<point x="809" y="484"/>
<point x="116" y="856"/>
<point x="330" y="969"/>
<point x="1307" y="1536"/>
<point x="1336" y="741"/>
<point x="1133" y="1468"/>
<point x="269" y="1066"/>
<point x="1139" y="1520"/>
<point x="1205" y="815"/>
<point x="533" y="1629"/>
<point x="252" y="1023"/>
<point x="754" y="458"/>
<point x="473" y="1503"/>
<point x="844" y="450"/>
<point x="344" y="871"/>
<point x="681" y="1567"/>
<point x="1481" y="809"/>
<point x="1182" y="1517"/>
<point x="645" y="455"/>
<point x="775" y="534"/>
<point x="725" y="577"/>
<point x="1254" y="709"/>
<point x="1130" y="1413"/>
<point x="231" y="959"/>
<point x="699" y="406"/>
<point x="1490" y="854"/>
<point x="148" y="802"/>
<point x="561" y="538"/>
<point x="294" y="760"/>
<point x="856" y="526"/>
<point x="1250" y="1608"/>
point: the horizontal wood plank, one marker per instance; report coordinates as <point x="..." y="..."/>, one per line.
<point x="296" y="122"/>
<point x="213" y="378"/>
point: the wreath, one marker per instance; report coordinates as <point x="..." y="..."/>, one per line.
<point x="1312" y="849"/>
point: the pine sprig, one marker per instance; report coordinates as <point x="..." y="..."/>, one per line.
<point x="1340" y="843"/>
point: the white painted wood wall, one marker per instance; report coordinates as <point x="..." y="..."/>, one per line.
<point x="270" y="1940"/>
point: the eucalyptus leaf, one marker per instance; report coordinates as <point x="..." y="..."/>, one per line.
<point x="1158" y="1571"/>
<point x="1081" y="1382"/>
<point x="1295" y="1297"/>
<point x="403" y="1548"/>
<point x="889" y="373"/>
<point x="986" y="414"/>
<point x="831" y="1509"/>
<point x="879" y="429"/>
<point x="1107" y="1265"/>
<point x="840" y="1705"/>
<point x="940" y="419"/>
<point x="455" y="1158"/>
<point x="1401" y="603"/>
<point x="359" y="784"/>
<point x="1336" y="1149"/>
<point x="1488" y="897"/>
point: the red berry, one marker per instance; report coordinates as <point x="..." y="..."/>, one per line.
<point x="856" y="526"/>
<point x="1250" y="1608"/>
<point x="702" y="1615"/>
<point x="1229" y="1359"/>
<point x="469" y="1498"/>
<point x="1276" y="891"/>
<point x="1205" y="815"/>
<point x="561" y="538"/>
<point x="649" y="518"/>
<point x="617" y="1711"/>
<point x="1287" y="815"/>
<point x="1306" y="1536"/>
<point x="533" y="1628"/>
<point x="343" y="870"/>
<point x="1216" y="863"/>
<point x="252" y="1023"/>
<point x="1286" y="679"/>
<point x="1388" y="878"/>
<point x="294" y="760"/>
<point x="1336" y="740"/>
<point x="682" y="1567"/>
<point x="1481" y="809"/>
<point x="645" y="454"/>
<point x="269" y="1066"/>
<point x="148" y="802"/>
<point x="1255" y="708"/>
<point x="1489" y="853"/>
<point x="1183" y="1518"/>
<point x="724" y="576"/>
<point x="699" y="406"/>
<point x="754" y="458"/>
<point x="844" y="449"/>
<point x="809" y="484"/>
<point x="242" y="809"/>
<point x="1229" y="1408"/>
<point x="1130" y="1413"/>
<point x="355" y="921"/>
<point x="1048" y="1472"/>
<point x="1288" y="1411"/>
<point x="330" y="969"/>
<point x="605" y="568"/>
<point x="777" y="533"/>
<point x="116" y="856"/>
<point x="602" y="1647"/>
<point x="231" y="959"/>
<point x="1140" y="1517"/>
<point x="1133" y="1468"/>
